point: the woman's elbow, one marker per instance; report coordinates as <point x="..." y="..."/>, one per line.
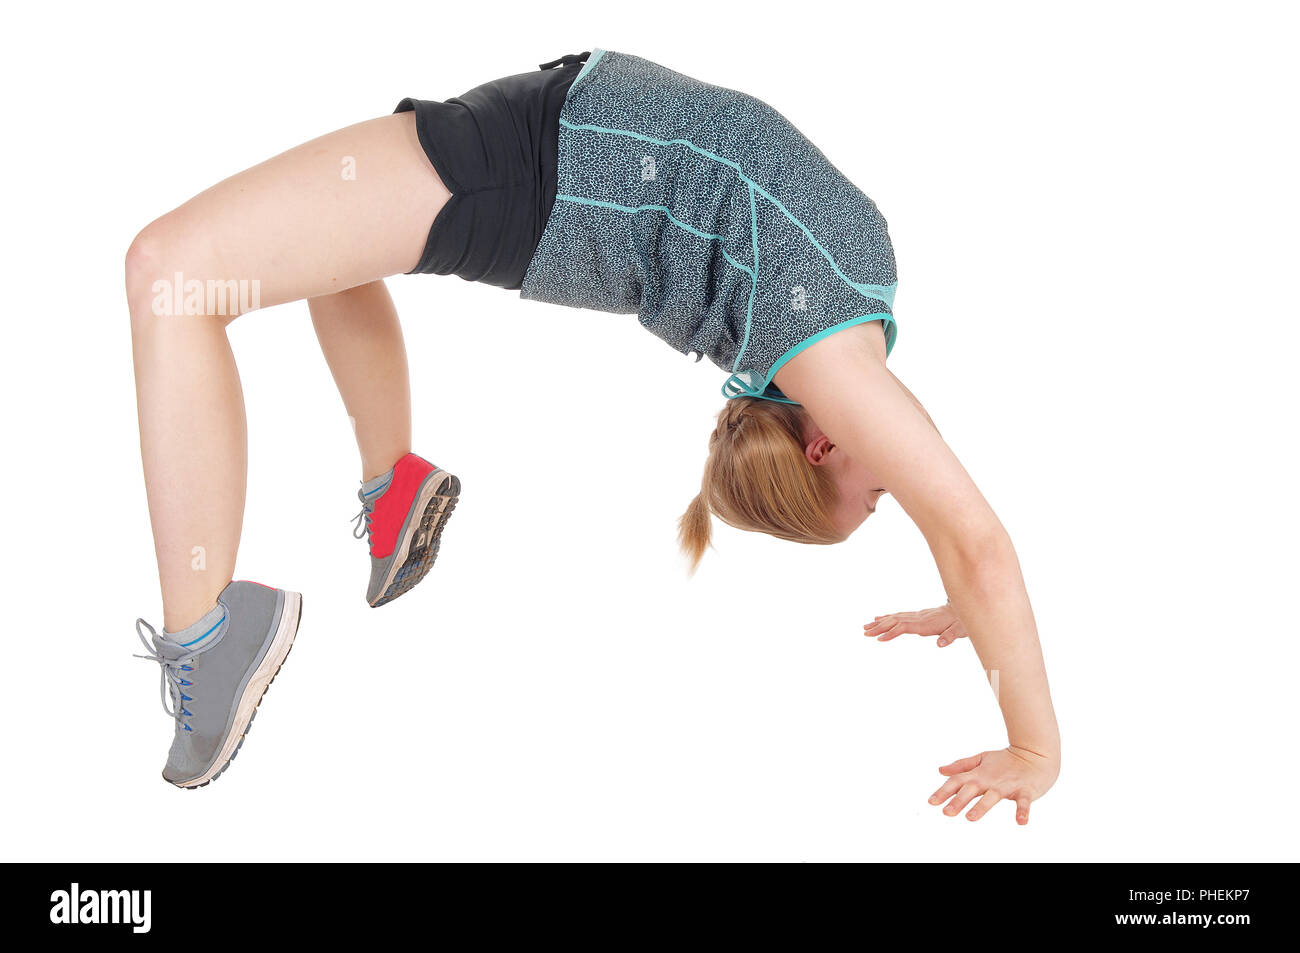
<point x="976" y="553"/>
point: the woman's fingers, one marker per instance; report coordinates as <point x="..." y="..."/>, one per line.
<point x="939" y="622"/>
<point x="947" y="790"/>
<point x="967" y="793"/>
<point x="992" y="776"/>
<point x="983" y="805"/>
<point x="895" y="624"/>
<point x="881" y="626"/>
<point x="962" y="765"/>
<point x="951" y="634"/>
<point x="882" y="623"/>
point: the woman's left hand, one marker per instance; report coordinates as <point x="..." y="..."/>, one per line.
<point x="1010" y="774"/>
<point x="942" y="622"/>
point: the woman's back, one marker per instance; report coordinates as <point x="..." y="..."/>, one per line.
<point x="705" y="212"/>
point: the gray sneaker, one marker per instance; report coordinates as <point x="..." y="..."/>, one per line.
<point x="216" y="672"/>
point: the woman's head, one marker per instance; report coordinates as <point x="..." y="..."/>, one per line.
<point x="772" y="470"/>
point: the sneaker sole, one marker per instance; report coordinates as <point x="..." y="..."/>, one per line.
<point x="419" y="545"/>
<point x="256" y="688"/>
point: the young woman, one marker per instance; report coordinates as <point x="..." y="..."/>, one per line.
<point x="599" y="181"/>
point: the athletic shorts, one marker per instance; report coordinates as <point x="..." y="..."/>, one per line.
<point x="494" y="148"/>
<point x="706" y="213"/>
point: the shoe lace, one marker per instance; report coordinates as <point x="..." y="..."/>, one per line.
<point x="361" y="526"/>
<point x="173" y="683"/>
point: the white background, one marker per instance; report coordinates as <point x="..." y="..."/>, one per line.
<point x="1094" y="212"/>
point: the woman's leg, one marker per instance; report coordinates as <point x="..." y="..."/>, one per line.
<point x="361" y="338"/>
<point x="293" y="227"/>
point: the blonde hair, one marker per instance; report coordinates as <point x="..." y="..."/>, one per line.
<point x="757" y="478"/>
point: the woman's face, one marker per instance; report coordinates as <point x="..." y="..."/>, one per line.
<point x="859" y="489"/>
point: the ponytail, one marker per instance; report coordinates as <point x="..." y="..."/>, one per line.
<point x="694" y="530"/>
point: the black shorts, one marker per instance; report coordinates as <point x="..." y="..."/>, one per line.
<point x="496" y="149"/>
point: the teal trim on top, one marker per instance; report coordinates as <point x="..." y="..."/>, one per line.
<point x="883" y="293"/>
<point x="753" y="287"/>
<point x="879" y="292"/>
<point x="734" y="387"/>
<point x="592" y="60"/>
<point x="583" y="200"/>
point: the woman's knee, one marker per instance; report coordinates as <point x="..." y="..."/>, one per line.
<point x="170" y="272"/>
<point x="143" y="268"/>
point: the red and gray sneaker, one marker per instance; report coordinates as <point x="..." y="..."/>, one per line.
<point x="404" y="511"/>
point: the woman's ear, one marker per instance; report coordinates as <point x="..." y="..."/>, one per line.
<point x="818" y="449"/>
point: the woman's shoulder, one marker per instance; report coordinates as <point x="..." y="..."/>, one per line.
<point x="869" y="334"/>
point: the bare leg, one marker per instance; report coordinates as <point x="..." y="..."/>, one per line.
<point x="299" y="229"/>
<point x="361" y="338"/>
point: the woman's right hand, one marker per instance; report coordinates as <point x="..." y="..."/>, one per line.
<point x="941" y="621"/>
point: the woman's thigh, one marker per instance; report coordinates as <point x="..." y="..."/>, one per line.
<point x="339" y="211"/>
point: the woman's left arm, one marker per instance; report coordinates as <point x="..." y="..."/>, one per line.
<point x="843" y="384"/>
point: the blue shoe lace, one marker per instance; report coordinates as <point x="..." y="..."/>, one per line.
<point x="173" y="682"/>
